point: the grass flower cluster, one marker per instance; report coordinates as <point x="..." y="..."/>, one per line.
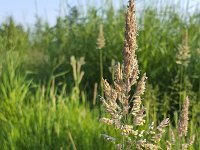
<point x="127" y="114"/>
<point x="183" y="55"/>
<point x="182" y="130"/>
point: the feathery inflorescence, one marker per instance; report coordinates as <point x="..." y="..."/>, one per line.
<point x="126" y="112"/>
<point x="182" y="130"/>
<point x="100" y="40"/>
<point x="183" y="120"/>
<point x="183" y="55"/>
<point x="183" y="124"/>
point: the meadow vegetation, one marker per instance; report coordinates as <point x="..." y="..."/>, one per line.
<point x="51" y="89"/>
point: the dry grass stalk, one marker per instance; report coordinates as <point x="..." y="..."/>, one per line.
<point x="125" y="110"/>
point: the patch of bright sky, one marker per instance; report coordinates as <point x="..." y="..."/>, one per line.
<point x="24" y="11"/>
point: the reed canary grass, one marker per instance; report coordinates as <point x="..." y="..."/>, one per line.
<point x="182" y="130"/>
<point x="100" y="45"/>
<point x="183" y="55"/>
<point x="183" y="120"/>
<point x="126" y="112"/>
<point x="100" y="40"/>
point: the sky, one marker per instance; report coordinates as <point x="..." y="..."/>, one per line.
<point x="24" y="11"/>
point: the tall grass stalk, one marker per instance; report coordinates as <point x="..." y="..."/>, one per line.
<point x="183" y="60"/>
<point x="125" y="110"/>
<point x="100" y="45"/>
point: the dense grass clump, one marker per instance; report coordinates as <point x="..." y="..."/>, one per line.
<point x="37" y="117"/>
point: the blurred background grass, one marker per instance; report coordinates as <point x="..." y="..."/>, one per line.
<point x="42" y="105"/>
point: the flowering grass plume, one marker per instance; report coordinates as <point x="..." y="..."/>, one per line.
<point x="100" y="40"/>
<point x="183" y="55"/>
<point x="126" y="112"/>
<point x="182" y="130"/>
<point x="183" y="125"/>
<point x="183" y="120"/>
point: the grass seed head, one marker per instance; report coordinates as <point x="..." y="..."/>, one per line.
<point x="125" y="109"/>
<point x="183" y="55"/>
<point x="183" y="119"/>
<point x="100" y="40"/>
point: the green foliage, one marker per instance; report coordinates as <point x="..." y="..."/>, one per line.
<point x="41" y="118"/>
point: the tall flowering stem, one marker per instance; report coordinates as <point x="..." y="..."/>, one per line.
<point x="130" y="46"/>
<point x="125" y="109"/>
<point x="183" y="120"/>
<point x="100" y="45"/>
<point x="182" y="131"/>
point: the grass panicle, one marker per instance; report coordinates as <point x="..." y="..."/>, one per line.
<point x="100" y="40"/>
<point x="183" y="56"/>
<point x="183" y="120"/>
<point x="181" y="140"/>
<point x="126" y="112"/>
